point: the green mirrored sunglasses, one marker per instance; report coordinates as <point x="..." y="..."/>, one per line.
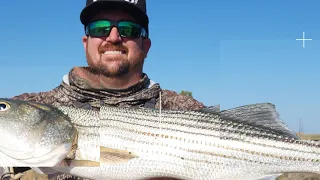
<point x="126" y="29"/>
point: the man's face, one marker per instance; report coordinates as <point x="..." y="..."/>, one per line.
<point x="114" y="56"/>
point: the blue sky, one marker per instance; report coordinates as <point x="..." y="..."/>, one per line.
<point x="226" y="52"/>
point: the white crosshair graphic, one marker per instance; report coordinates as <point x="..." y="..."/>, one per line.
<point x="303" y="39"/>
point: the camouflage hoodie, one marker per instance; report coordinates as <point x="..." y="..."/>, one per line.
<point x="77" y="92"/>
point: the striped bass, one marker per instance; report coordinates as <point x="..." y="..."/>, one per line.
<point x="248" y="142"/>
<point x="33" y="134"/>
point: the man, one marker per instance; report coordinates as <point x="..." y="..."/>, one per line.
<point x="116" y="43"/>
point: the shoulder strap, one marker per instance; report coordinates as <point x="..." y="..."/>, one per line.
<point x="151" y="103"/>
<point x="85" y="105"/>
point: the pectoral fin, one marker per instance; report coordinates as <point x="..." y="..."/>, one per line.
<point x="107" y="156"/>
<point x="115" y="156"/>
<point x="80" y="163"/>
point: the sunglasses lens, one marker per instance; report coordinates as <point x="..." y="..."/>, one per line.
<point x="99" y="28"/>
<point x="125" y="28"/>
<point x="128" y="29"/>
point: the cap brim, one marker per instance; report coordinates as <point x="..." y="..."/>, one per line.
<point x="90" y="11"/>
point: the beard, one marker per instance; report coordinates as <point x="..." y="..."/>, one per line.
<point x="115" y="66"/>
<point x="111" y="67"/>
<point x="119" y="67"/>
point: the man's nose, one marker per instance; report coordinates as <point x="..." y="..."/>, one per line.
<point x="114" y="35"/>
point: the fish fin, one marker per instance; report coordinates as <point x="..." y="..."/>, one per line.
<point x="80" y="163"/>
<point x="74" y="146"/>
<point x="262" y="115"/>
<point x="43" y="170"/>
<point x="269" y="176"/>
<point x="211" y="109"/>
<point x="115" y="156"/>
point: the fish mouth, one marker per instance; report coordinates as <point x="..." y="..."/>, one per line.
<point x="25" y="154"/>
<point x="35" y="157"/>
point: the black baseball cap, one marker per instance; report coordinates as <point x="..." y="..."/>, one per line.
<point x="136" y="8"/>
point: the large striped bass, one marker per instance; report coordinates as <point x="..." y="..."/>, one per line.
<point x="33" y="134"/>
<point x="248" y="142"/>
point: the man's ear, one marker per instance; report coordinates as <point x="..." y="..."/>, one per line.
<point x="85" y="42"/>
<point x="146" y="45"/>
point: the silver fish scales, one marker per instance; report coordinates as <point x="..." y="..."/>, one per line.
<point x="247" y="142"/>
<point x="206" y="144"/>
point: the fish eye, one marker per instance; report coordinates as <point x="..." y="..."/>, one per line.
<point x="4" y="106"/>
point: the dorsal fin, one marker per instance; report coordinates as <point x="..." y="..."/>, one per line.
<point x="210" y="109"/>
<point x="262" y="115"/>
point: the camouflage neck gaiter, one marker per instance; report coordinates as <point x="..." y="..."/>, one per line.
<point x="137" y="95"/>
